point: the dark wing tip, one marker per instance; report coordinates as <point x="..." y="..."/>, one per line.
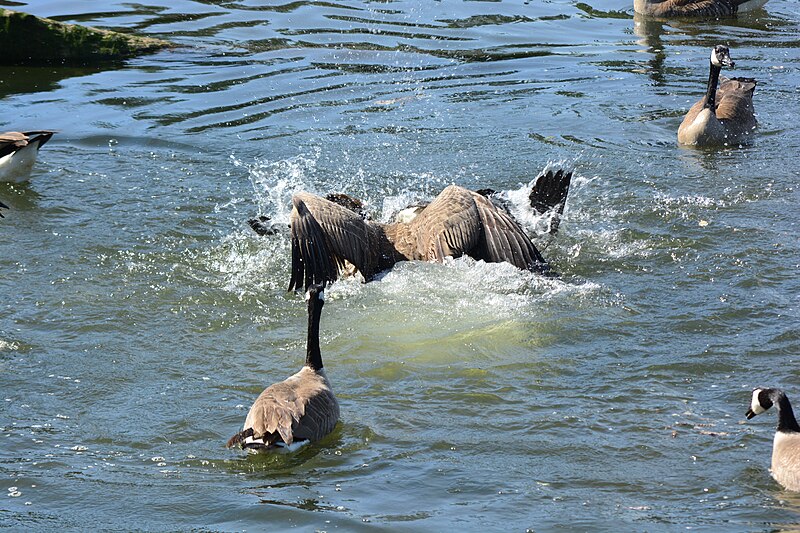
<point x="550" y="190"/>
<point x="549" y="194"/>
<point x="41" y="135"/>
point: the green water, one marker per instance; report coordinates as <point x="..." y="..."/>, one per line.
<point x="140" y="316"/>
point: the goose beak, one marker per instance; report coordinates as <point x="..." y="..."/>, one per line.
<point x="749" y="414"/>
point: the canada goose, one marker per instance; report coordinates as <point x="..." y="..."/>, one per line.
<point x="300" y="409"/>
<point x="326" y="236"/>
<point x="3" y="206"/>
<point x="724" y="114"/>
<point x="786" y="445"/>
<point x="695" y="8"/>
<point x="18" y="153"/>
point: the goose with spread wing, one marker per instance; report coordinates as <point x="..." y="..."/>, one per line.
<point x="326" y="236"/>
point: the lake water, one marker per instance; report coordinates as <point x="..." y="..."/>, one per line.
<point x="140" y="316"/>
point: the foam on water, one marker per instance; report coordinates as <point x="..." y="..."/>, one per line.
<point x="274" y="182"/>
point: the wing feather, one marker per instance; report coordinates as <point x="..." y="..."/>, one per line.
<point x="450" y="225"/>
<point x="735" y="104"/>
<point x="302" y="407"/>
<point x="325" y="235"/>
<point x="462" y="222"/>
<point x="506" y="240"/>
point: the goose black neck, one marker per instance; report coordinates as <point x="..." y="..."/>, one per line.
<point x="313" y="355"/>
<point x="786" y="420"/>
<point x="711" y="91"/>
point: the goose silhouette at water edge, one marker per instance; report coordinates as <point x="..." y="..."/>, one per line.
<point x="328" y="238"/>
<point x="725" y="114"/>
<point x="18" y="153"/>
<point x="695" y="8"/>
<point x="786" y="444"/>
<point x="300" y="409"/>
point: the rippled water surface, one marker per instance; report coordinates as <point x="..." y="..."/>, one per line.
<point x="140" y="317"/>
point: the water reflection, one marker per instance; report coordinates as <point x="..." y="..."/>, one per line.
<point x="22" y="79"/>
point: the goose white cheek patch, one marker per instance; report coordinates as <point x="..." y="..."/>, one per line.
<point x="755" y="405"/>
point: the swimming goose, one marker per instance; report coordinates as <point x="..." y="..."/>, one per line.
<point x="695" y="8"/>
<point x="3" y="206"/>
<point x="724" y="114"/>
<point x="786" y="445"/>
<point x="18" y="153"/>
<point x="327" y="236"/>
<point x="300" y="409"/>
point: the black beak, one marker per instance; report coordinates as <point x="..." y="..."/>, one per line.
<point x="749" y="414"/>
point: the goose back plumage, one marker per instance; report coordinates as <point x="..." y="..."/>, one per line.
<point x="302" y="407"/>
<point x="462" y="222"/>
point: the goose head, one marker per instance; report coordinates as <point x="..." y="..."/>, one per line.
<point x="762" y="400"/>
<point x="315" y="295"/>
<point x="721" y="56"/>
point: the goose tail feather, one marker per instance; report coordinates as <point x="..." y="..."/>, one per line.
<point x="239" y="438"/>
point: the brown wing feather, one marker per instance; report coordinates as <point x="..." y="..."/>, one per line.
<point x="321" y="416"/>
<point x="691" y="8"/>
<point x="506" y="240"/>
<point x="448" y="226"/>
<point x="462" y="222"/>
<point x="735" y="104"/>
<point x="298" y="408"/>
<point x="324" y="235"/>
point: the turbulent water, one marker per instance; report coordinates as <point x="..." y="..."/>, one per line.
<point x="140" y="316"/>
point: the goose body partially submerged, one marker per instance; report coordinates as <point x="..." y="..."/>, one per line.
<point x="695" y="8"/>
<point x="300" y="409"/>
<point x="18" y="153"/>
<point x="786" y="444"/>
<point x="725" y="114"/>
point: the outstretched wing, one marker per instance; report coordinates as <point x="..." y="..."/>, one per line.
<point x="549" y="193"/>
<point x="460" y="222"/>
<point x="448" y="226"/>
<point x="325" y="235"/>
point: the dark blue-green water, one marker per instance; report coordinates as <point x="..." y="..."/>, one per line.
<point x="140" y="316"/>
